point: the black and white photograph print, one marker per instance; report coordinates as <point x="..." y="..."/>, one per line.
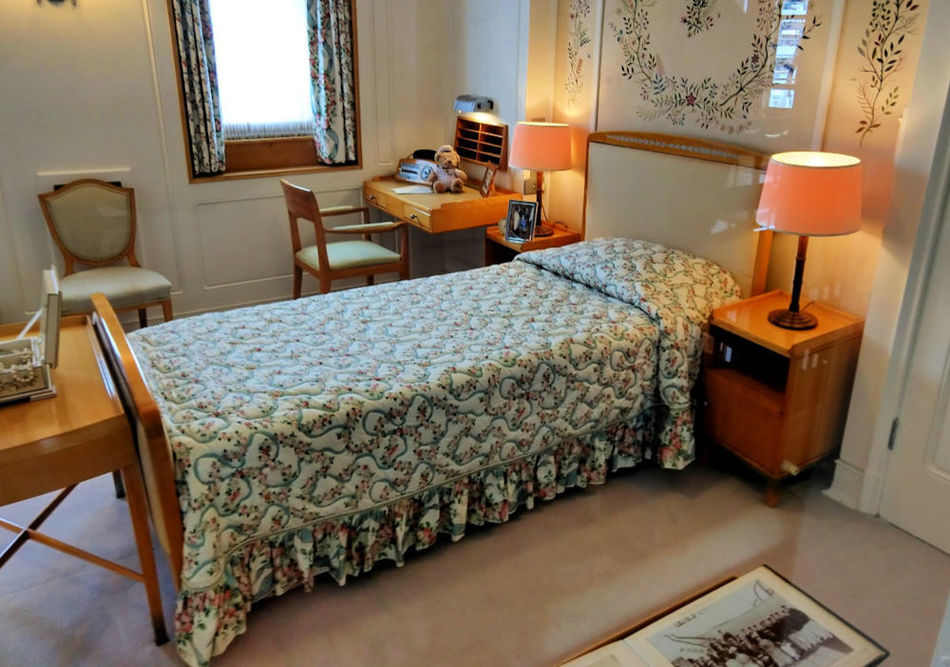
<point x="519" y="226"/>
<point x="488" y="181"/>
<point x="758" y="620"/>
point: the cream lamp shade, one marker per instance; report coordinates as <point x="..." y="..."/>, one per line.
<point x="809" y="193"/>
<point x="541" y="147"/>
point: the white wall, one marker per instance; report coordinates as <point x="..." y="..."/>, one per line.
<point x="862" y="462"/>
<point x="92" y="88"/>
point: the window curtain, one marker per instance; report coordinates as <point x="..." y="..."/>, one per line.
<point x="199" y="86"/>
<point x="332" y="72"/>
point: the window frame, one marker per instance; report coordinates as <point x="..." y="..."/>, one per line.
<point x="268" y="156"/>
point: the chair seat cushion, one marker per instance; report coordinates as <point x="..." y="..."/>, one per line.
<point x="349" y="255"/>
<point x="124" y="286"/>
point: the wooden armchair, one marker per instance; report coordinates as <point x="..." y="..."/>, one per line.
<point x="93" y="223"/>
<point x="340" y="259"/>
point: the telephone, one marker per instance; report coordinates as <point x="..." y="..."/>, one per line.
<point x="417" y="167"/>
<point x="413" y="170"/>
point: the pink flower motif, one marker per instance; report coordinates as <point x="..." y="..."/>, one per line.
<point x="690" y="99"/>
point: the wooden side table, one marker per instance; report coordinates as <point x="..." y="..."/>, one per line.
<point x="81" y="433"/>
<point x="498" y="250"/>
<point x="774" y="397"/>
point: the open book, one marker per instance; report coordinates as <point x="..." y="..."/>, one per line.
<point x="758" y="618"/>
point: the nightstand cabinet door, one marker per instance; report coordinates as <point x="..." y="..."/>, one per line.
<point x="778" y="413"/>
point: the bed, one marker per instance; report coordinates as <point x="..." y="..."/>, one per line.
<point x="319" y="436"/>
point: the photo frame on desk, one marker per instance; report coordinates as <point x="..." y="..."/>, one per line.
<point x="488" y="181"/>
<point x="521" y="220"/>
<point x="50" y="313"/>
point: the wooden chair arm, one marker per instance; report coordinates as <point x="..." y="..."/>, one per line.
<point x="368" y="228"/>
<point x="343" y="210"/>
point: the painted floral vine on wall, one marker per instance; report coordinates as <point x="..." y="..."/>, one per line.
<point x="882" y="49"/>
<point x="578" y="38"/>
<point x="726" y="105"/>
<point x="699" y="16"/>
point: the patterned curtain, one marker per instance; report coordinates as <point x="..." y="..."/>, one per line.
<point x="332" y="72"/>
<point x="199" y="86"/>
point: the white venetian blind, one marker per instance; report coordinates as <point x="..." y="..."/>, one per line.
<point x="263" y="63"/>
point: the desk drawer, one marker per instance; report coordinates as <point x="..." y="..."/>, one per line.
<point x="418" y="217"/>
<point x="381" y="200"/>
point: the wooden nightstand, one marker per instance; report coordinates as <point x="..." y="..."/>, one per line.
<point x="777" y="398"/>
<point x="498" y="250"/>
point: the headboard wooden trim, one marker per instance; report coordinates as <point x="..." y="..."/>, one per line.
<point x="671" y="144"/>
<point x="689" y="147"/>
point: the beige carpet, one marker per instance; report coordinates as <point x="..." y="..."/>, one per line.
<point x="524" y="593"/>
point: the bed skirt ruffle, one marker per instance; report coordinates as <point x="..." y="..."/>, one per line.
<point x="206" y="622"/>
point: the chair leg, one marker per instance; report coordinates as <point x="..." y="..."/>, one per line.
<point x="298" y="279"/>
<point x="371" y="279"/>
<point x="167" y="310"/>
<point x="324" y="285"/>
<point x="143" y="318"/>
<point x="117" y="482"/>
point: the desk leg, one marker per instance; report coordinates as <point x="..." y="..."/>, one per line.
<point x="135" y="492"/>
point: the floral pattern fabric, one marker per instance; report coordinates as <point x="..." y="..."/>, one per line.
<point x="678" y="291"/>
<point x="199" y="84"/>
<point x="323" y="434"/>
<point x="332" y="80"/>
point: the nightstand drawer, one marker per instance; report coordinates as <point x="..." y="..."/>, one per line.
<point x="745" y="415"/>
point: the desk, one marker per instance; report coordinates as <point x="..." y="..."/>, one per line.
<point x="438" y="213"/>
<point x="79" y="434"/>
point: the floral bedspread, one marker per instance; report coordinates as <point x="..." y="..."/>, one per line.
<point x="323" y="434"/>
<point x="678" y="291"/>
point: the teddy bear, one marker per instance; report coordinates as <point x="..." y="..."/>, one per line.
<point x="447" y="176"/>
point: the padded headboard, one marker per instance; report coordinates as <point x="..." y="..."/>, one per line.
<point x="695" y="195"/>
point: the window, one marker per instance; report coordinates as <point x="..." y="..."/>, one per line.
<point x="264" y="90"/>
<point x="267" y="86"/>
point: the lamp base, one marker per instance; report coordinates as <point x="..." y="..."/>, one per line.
<point x="543" y="229"/>
<point x="788" y="319"/>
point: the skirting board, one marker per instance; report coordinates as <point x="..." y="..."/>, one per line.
<point x="847" y="486"/>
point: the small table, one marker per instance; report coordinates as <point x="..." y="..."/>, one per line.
<point x="498" y="249"/>
<point x="80" y="433"/>
<point x="775" y="397"/>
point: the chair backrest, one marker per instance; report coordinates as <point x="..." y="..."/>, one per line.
<point x="302" y="204"/>
<point x="92" y="222"/>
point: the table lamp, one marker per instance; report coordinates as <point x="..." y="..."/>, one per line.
<point x="809" y="193"/>
<point x="541" y="147"/>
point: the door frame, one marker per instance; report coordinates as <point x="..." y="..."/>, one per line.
<point x="933" y="214"/>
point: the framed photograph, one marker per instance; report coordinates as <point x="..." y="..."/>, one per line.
<point x="522" y="217"/>
<point x="762" y="617"/>
<point x="488" y="181"/>
<point x="50" y="309"/>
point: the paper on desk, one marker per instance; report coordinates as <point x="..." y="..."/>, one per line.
<point x="412" y="190"/>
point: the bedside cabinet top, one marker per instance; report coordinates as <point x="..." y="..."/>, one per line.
<point x="560" y="237"/>
<point x="749" y="319"/>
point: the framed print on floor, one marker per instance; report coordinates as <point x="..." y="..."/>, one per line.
<point x="759" y="618"/>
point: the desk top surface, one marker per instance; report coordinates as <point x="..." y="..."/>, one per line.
<point x="85" y="406"/>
